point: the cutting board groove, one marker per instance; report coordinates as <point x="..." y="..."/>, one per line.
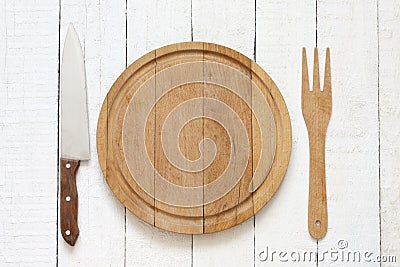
<point x="194" y="138"/>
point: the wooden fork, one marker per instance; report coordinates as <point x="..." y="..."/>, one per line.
<point x="317" y="107"/>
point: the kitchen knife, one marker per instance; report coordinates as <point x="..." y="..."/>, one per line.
<point x="74" y="132"/>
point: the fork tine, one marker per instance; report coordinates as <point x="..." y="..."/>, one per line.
<point x="305" y="86"/>
<point x="316" y="83"/>
<point x="327" y="78"/>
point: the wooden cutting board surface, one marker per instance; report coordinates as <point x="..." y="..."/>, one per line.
<point x="194" y="138"/>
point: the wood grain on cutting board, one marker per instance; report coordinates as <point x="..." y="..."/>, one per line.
<point x="135" y="119"/>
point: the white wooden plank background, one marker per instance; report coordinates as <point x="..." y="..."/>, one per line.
<point x="363" y="140"/>
<point x="389" y="111"/>
<point x="353" y="140"/>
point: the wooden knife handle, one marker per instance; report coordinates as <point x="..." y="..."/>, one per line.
<point x="69" y="200"/>
<point x="317" y="204"/>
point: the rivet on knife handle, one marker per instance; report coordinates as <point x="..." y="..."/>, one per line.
<point x="317" y="108"/>
<point x="69" y="201"/>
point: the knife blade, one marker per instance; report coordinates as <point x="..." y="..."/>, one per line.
<point x="74" y="132"/>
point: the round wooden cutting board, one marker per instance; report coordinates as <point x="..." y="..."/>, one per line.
<point x="194" y="138"/>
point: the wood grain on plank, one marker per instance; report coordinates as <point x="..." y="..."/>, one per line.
<point x="353" y="130"/>
<point x="222" y="213"/>
<point x="28" y="129"/>
<point x="123" y="156"/>
<point x="223" y="26"/>
<point x="283" y="137"/>
<point x="153" y="24"/>
<point x="167" y="216"/>
<point x="389" y="95"/>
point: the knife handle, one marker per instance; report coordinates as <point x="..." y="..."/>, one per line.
<point x="69" y="200"/>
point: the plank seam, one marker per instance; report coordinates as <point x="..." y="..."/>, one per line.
<point x="191" y="37"/>
<point x="191" y="20"/>
<point x="379" y="131"/>
<point x="58" y="127"/>
<point x="154" y="138"/>
<point x="251" y="129"/>
<point x="255" y="30"/>
<point x="126" y="65"/>
<point x="204" y="219"/>
<point x="316" y="23"/>
<point x="191" y="261"/>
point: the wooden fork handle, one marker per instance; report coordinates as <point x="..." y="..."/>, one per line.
<point x="69" y="200"/>
<point x="317" y="204"/>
